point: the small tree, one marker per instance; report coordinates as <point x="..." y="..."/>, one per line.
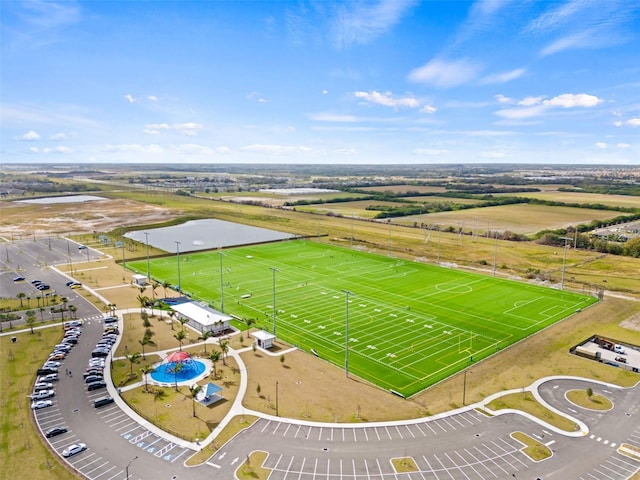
<point x="182" y="321"/>
<point x="171" y="314"/>
<point x="589" y="392"/>
<point x="180" y="336"/>
<point x="258" y="389"/>
<point x="146" y="340"/>
<point x="214" y="356"/>
<point x="31" y="319"/>
<point x="145" y="371"/>
<point x="249" y="322"/>
<point x="224" y="348"/>
<point x="133" y="358"/>
<point x="21" y="296"/>
<point x="194" y="390"/>
<point x="282" y="360"/>
<point x="204" y="337"/>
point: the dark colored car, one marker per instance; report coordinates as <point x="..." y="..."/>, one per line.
<point x="19" y="279"/>
<point x="96" y="386"/>
<point x="109" y="320"/>
<point x="46" y="371"/>
<point x="93" y="378"/>
<point x="55" y="431"/>
<point x="99" y="353"/>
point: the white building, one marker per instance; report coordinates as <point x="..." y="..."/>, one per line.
<point x="263" y="339"/>
<point x="139" y="280"/>
<point x="202" y="317"/>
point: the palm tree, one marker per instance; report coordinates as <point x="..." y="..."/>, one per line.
<point x="224" y="347"/>
<point x="172" y="314"/>
<point x="194" y="390"/>
<point x="31" y="319"/>
<point x="146" y="340"/>
<point x="133" y="358"/>
<point x="20" y="296"/>
<point x="42" y="310"/>
<point x="180" y="336"/>
<point x="249" y="322"/>
<point x="73" y="309"/>
<point x="214" y="356"/>
<point x="142" y="300"/>
<point x="205" y="335"/>
<point x="182" y="321"/>
<point x="177" y="367"/>
<point x="64" y="301"/>
<point x="165" y="285"/>
<point x="145" y="371"/>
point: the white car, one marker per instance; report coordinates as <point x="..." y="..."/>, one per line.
<point x="74" y="449"/>
<point x="52" y="364"/>
<point x="42" y="394"/>
<point x="38" y="404"/>
<point x="43" y="386"/>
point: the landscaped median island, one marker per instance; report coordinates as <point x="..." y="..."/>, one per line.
<point x="525" y="402"/>
<point x="588" y="399"/>
<point x="532" y="448"/>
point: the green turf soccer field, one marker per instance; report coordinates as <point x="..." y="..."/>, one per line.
<point x="410" y="324"/>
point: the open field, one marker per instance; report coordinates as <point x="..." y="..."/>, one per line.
<point x="406" y="188"/>
<point x="438" y="199"/>
<point x="356" y="208"/>
<point x="581" y="197"/>
<point x="410" y="325"/>
<point x="520" y="218"/>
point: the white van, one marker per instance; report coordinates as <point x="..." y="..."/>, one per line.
<point x="619" y="349"/>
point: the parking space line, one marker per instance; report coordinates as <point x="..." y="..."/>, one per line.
<point x="409" y="430"/>
<point x="116" y="475"/>
<point x="265" y="426"/>
<point x="185" y="450"/>
<point x="278" y="424"/>
<point x="480" y="462"/>
<point x="418" y="427"/>
<point x="366" y="435"/>
<point x="454" y="418"/>
<point x="466" y="463"/>
<point x="444" y="469"/>
<point x="304" y="459"/>
<point x="99" y="466"/>
<point x="97" y="459"/>
<point x="489" y="459"/>
<point x="104" y="473"/>
<point x="428" y="424"/>
<point x="446" y="420"/>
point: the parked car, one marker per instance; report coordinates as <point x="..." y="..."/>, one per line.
<point x="42" y="394"/>
<point x="47" y="371"/>
<point x="94" y="378"/>
<point x="75" y="285"/>
<point x="55" y="356"/>
<point x="51" y="364"/>
<point x="36" y="282"/>
<point x="38" y="404"/>
<point x="55" y="431"/>
<point x="50" y="377"/>
<point x="43" y="286"/>
<point x="43" y="386"/>
<point x="109" y="320"/>
<point x="96" y="386"/>
<point x="99" y="353"/>
<point x="82" y="247"/>
<point x="19" y="279"/>
<point x="93" y="372"/>
<point x="74" y="449"/>
<point x="619" y="349"/>
<point x="74" y="323"/>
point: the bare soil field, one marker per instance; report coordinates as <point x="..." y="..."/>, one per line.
<point x="20" y="218"/>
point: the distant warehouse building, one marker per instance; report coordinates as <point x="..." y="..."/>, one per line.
<point x="202" y="317"/>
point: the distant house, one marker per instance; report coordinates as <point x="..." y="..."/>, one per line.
<point x="202" y="317"/>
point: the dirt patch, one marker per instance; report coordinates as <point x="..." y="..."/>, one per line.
<point x="632" y="323"/>
<point x="103" y="215"/>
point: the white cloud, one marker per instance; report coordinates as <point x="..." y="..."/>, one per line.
<point x="34" y="149"/>
<point x="344" y="151"/>
<point x="502" y="99"/>
<point x="530" y="101"/>
<point x="256" y="97"/>
<point x="428" y="109"/>
<point x="192" y="149"/>
<point x="189" y="129"/>
<point x="129" y="98"/>
<point x="570" y="100"/>
<point x="602" y="145"/>
<point x="324" y="92"/>
<point x="535" y="106"/>
<point x="362" y="22"/>
<point x="633" y="122"/>
<point x="618" y="123"/>
<point x="429" y="151"/>
<point x="387" y="99"/>
<point x="60" y="149"/>
<point x="152" y="98"/>
<point x="59" y="136"/>
<point x="445" y="74"/>
<point x="30" y="136"/>
<point x="504" y="77"/>
<point x="623" y="145"/>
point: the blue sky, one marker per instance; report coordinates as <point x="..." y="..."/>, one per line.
<point x="320" y="82"/>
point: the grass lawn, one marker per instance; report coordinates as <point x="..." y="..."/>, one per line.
<point x="19" y="443"/>
<point x="410" y="325"/>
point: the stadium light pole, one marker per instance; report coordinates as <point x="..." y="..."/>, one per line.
<point x="564" y="260"/>
<point x="178" y="256"/>
<point x="146" y="240"/>
<point x="346" y="341"/>
<point x="126" y="469"/>
<point x="274" y="270"/>
<point x="124" y="263"/>
<point x="221" y="284"/>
